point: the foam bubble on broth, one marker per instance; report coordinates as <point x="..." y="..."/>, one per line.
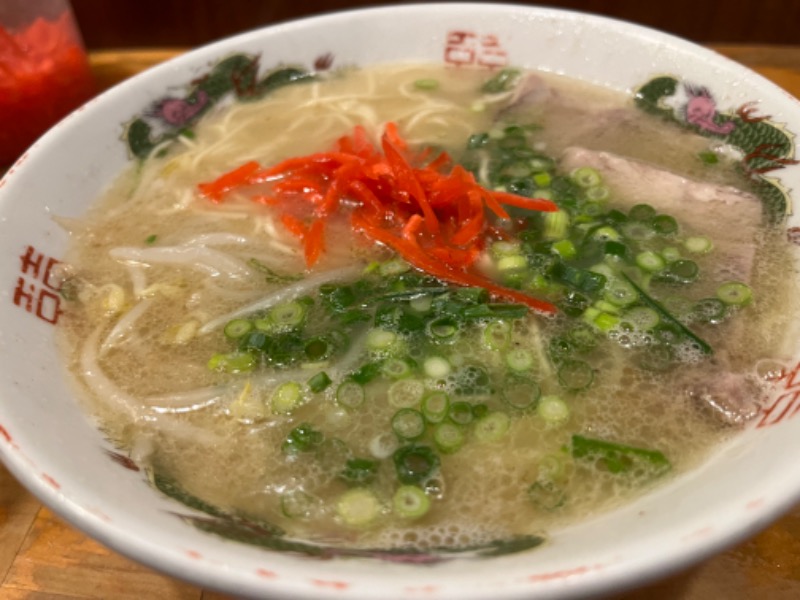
<point x="236" y="462"/>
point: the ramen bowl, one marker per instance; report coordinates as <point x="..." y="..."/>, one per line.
<point x="48" y="442"/>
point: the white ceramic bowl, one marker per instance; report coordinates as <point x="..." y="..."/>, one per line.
<point x="48" y="443"/>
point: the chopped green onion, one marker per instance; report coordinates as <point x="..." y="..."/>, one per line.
<point x="350" y="394"/>
<point x="517" y="169"/>
<point x="503" y="248"/>
<point x="460" y="412"/>
<point x="448" y="437"/>
<point x="421" y="304"/>
<point x="698" y="244"/>
<point x="708" y="157"/>
<point x="415" y="464"/>
<point x="546" y="494"/>
<point x="434" y="406"/>
<point x="287" y="315"/>
<point x="616" y="216"/>
<point x="619" y="293"/>
<point x="359" y="471"/>
<point x="337" y="297"/>
<point x="541" y="163"/>
<point x="426" y="84"/>
<point x="586" y="177"/>
<point x="443" y="329"/>
<point x="264" y="324"/>
<point x="671" y="254"/>
<point x="366" y="373"/>
<point x="318" y="348"/>
<point x="319" y="382"/>
<point x="492" y="427"/>
<point x="555" y="225"/>
<point x="406" y="393"/>
<point x="408" y="424"/>
<point x="495" y="311"/>
<point x="542" y="180"/>
<point x="605" y="321"/>
<point x="383" y="445"/>
<point x="735" y="293"/>
<point x="575" y="375"/>
<point x="255" y="340"/>
<point x="590" y="314"/>
<point x="553" y="410"/>
<point x="515" y="131"/>
<point x="539" y="283"/>
<point x="597" y="193"/>
<point x="521" y="393"/>
<point x="582" y="336"/>
<point x="519" y="360"/>
<point x="565" y="249"/>
<point x="641" y="212"/>
<point x="606" y="234"/>
<point x="237" y="328"/>
<point x="560" y="349"/>
<point x="502" y="82"/>
<point x="233" y="362"/>
<point x="303" y="438"/>
<point x="471" y="295"/>
<point x="641" y="318"/>
<point x="656" y="357"/>
<point x="615" y="253"/>
<point x="150" y="239"/>
<point x="371" y="267"/>
<point x="680" y="271"/>
<point x="606" y="306"/>
<point x="394" y="266"/>
<point x="358" y="507"/>
<point x="590" y="211"/>
<point x="512" y="263"/>
<point x="381" y="339"/>
<point x="479" y="410"/>
<point x="436" y="367"/>
<point x="582" y="280"/>
<point x="397" y="368"/>
<point x="287" y="397"/>
<point x="497" y="335"/>
<point x="667" y="334"/>
<point x="650" y="261"/>
<point x="664" y="224"/>
<point x="542" y="194"/>
<point x="410" y="502"/>
<point x="637" y="230"/>
<point x="554" y="467"/>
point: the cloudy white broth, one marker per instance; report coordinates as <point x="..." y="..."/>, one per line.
<point x="412" y="306"/>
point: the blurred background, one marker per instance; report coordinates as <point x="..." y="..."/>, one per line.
<point x="164" y="23"/>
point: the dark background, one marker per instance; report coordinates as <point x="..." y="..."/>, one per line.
<point x="159" y="23"/>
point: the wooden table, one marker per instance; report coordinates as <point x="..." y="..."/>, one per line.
<point x="43" y="558"/>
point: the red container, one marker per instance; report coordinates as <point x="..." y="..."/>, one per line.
<point x="44" y="71"/>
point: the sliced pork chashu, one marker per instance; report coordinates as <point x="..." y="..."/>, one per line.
<point x="735" y="218"/>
